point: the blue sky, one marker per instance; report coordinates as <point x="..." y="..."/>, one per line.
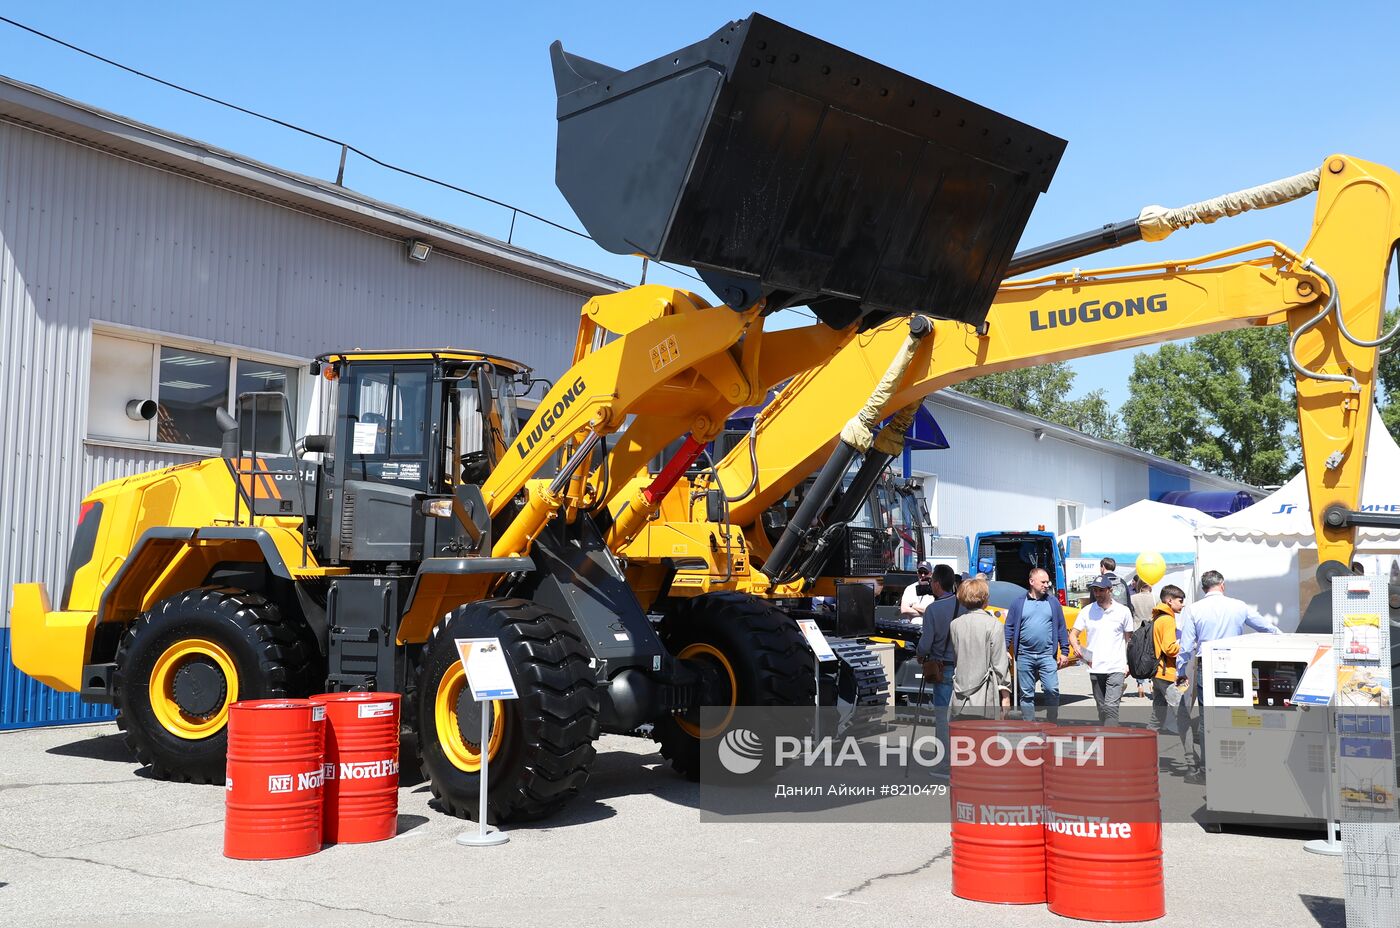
<point x="1161" y="103"/>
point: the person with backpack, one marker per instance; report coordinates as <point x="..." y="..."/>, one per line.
<point x="1038" y="643"/>
<point x="1106" y="626"/>
<point x="1166" y="647"/>
<point x="1142" y="603"/>
<point x="1144" y="655"/>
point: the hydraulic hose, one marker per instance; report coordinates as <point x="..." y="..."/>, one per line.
<point x="857" y="437"/>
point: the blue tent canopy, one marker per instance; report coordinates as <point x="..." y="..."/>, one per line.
<point x="1217" y="503"/>
<point x="925" y="434"/>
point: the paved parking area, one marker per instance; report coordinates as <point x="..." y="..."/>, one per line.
<point x="86" y="839"/>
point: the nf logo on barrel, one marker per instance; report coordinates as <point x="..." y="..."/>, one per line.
<point x="1092" y="311"/>
<point x="289" y="782"/>
<point x="548" y="416"/>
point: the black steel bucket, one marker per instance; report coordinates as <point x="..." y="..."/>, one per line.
<point x="782" y="167"/>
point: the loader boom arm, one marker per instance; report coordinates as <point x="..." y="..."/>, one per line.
<point x="1071" y="315"/>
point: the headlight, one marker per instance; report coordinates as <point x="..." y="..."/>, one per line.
<point x="439" y="508"/>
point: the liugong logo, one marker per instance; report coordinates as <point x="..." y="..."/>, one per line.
<point x="1092" y="311"/>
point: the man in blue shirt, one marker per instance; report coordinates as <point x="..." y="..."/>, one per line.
<point x="1210" y="618"/>
<point x="1038" y="642"/>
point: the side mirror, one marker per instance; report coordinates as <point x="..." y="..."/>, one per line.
<point x="319" y="444"/>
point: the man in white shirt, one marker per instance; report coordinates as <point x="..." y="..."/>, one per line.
<point x="1107" y="626"/>
<point x="918" y="595"/>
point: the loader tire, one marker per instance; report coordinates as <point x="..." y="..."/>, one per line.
<point x="180" y="666"/>
<point x="750" y="653"/>
<point x="541" y="744"/>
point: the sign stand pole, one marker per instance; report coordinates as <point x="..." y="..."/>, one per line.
<point x="490" y="680"/>
<point x="1329" y="846"/>
<point x="485" y="836"/>
<point x="821" y="651"/>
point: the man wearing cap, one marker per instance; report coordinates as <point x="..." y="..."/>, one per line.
<point x="918" y="595"/>
<point x="1107" y="625"/>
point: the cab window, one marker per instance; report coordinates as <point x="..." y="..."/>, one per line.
<point x="386" y="415"/>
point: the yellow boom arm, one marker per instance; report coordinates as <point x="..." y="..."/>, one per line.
<point x="1334" y="286"/>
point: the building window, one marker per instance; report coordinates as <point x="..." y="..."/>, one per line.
<point x="1068" y="516"/>
<point x="274" y="435"/>
<point x="148" y="389"/>
<point x="192" y="385"/>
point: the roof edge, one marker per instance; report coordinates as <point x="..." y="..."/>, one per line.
<point x="1032" y="422"/>
<point x="74" y="121"/>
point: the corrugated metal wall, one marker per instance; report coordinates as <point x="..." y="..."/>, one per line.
<point x="997" y="476"/>
<point x="86" y="236"/>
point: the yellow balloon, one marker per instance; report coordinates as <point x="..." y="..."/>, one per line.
<point x="1150" y="567"/>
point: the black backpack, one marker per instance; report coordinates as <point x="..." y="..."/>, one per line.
<point x="1142" y="653"/>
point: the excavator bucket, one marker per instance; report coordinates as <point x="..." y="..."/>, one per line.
<point x="783" y="168"/>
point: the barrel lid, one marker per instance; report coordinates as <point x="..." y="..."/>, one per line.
<point x="356" y="696"/>
<point x="1105" y="731"/>
<point x="260" y="704"/>
<point x="1008" y="726"/>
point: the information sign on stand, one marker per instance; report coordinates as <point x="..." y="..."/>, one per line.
<point x="489" y="677"/>
<point x="816" y="640"/>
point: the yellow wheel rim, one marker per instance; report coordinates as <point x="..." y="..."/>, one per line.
<point x="464" y="755"/>
<point x="162" y="692"/>
<point x="710" y="654"/>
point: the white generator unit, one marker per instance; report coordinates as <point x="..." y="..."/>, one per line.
<point x="1265" y="754"/>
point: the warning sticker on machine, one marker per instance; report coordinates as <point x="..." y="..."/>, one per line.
<point x="1243" y="718"/>
<point x="664" y="353"/>
<point x="375" y="710"/>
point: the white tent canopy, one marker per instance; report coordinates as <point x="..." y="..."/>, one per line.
<point x="1122" y="535"/>
<point x="1268" y="552"/>
<point x="1144" y="526"/>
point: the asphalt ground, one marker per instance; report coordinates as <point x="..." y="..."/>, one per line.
<point x="87" y="839"/>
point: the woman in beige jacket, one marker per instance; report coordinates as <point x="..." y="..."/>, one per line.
<point x="982" y="677"/>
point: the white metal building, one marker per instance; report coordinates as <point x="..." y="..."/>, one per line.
<point x="136" y="264"/>
<point x="1012" y="471"/>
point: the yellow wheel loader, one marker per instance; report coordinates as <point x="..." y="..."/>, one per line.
<point x="786" y="171"/>
<point x="767" y="539"/>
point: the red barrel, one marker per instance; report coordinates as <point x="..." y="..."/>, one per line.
<point x="998" y="838"/>
<point x="362" y="766"/>
<point x="1103" y="825"/>
<point x="272" y="789"/>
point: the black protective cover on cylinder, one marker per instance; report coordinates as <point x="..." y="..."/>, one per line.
<point x="781" y="166"/>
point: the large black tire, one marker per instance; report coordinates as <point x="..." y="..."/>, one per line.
<point x="546" y="736"/>
<point x="765" y="650"/>
<point x="267" y="659"/>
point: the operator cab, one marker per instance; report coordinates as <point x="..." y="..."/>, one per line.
<point x="414" y="435"/>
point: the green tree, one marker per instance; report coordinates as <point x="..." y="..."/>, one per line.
<point x="1221" y="402"/>
<point x="1388" y="396"/>
<point x="1044" y="391"/>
